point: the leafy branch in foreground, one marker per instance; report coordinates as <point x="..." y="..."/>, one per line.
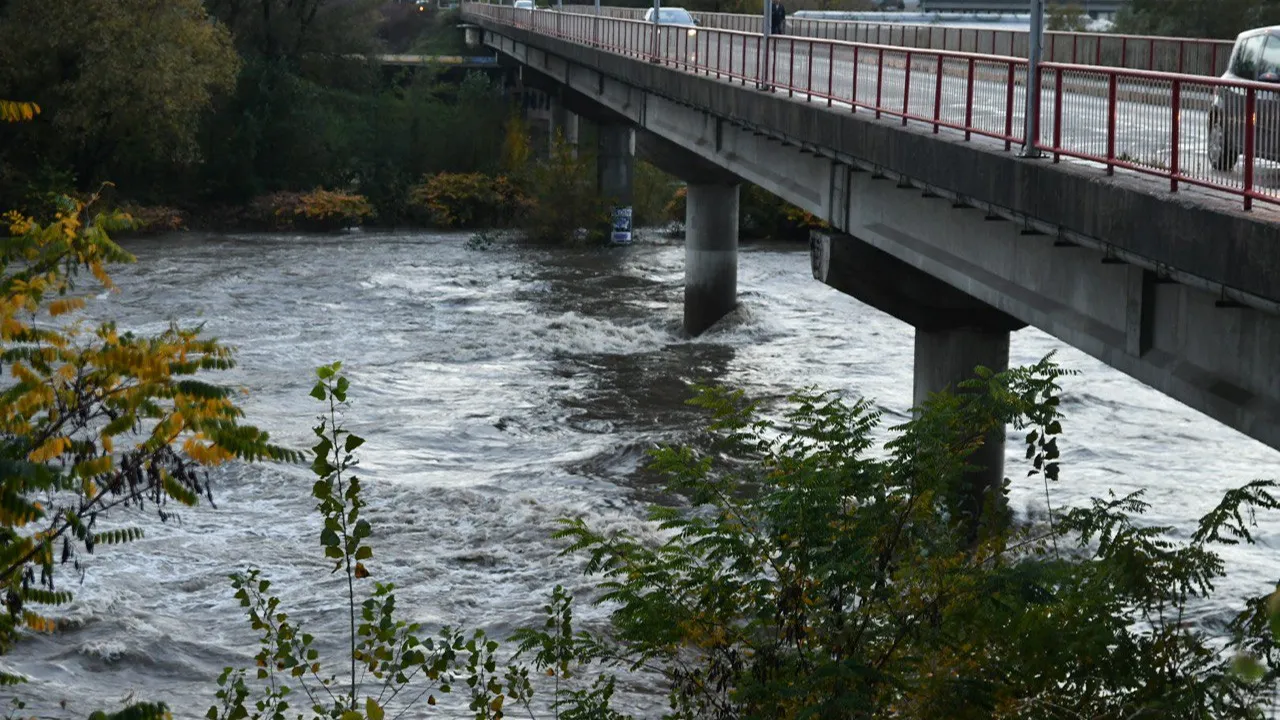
<point x="392" y="665"/>
<point x="93" y="420"/>
<point x="818" y="576"/>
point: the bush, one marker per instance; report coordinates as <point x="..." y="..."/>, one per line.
<point x="152" y="219"/>
<point x="318" y="210"/>
<point x="651" y="193"/>
<point x="467" y="200"/>
<point x="816" y="575"/>
<point x="676" y="206"/>
<point x="564" y="199"/>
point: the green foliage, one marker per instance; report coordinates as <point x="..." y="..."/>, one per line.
<point x="1196" y="18"/>
<point x="93" y="419"/>
<point x="294" y="30"/>
<point x="1065" y="17"/>
<point x="112" y="109"/>
<point x="283" y="132"/>
<point x="818" y="576"/>
<point x="564" y="198"/>
<point x="651" y="191"/>
<point x="390" y="663"/>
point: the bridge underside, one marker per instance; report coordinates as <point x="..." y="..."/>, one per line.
<point x="951" y="235"/>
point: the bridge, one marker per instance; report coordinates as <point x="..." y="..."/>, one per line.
<point x="1089" y="7"/>
<point x="1122" y="240"/>
<point x="1196" y="56"/>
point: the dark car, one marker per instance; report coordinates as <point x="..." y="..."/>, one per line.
<point x="1255" y="57"/>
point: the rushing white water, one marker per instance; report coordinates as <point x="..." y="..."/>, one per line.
<point x="499" y="391"/>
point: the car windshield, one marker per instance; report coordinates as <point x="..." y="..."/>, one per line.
<point x="673" y="16"/>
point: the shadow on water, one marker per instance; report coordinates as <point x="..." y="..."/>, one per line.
<point x="642" y="397"/>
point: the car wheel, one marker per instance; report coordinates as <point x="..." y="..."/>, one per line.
<point x="1222" y="156"/>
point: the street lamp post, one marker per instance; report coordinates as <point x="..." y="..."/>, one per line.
<point x="657" y="9"/>
<point x="766" y="56"/>
<point x="1031" y="109"/>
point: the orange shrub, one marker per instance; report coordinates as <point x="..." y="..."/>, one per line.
<point x="318" y="210"/>
<point x="149" y="219"/>
<point x="467" y="200"/>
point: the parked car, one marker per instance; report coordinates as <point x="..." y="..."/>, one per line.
<point x="1255" y="57"/>
<point x="673" y="16"/>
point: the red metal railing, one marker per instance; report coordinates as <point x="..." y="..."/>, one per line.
<point x="1192" y="56"/>
<point x="1192" y="130"/>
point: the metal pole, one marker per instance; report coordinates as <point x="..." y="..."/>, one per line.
<point x="657" y="10"/>
<point x="766" y="56"/>
<point x="1031" y="110"/>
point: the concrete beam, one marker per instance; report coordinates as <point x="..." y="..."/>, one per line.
<point x="675" y="160"/>
<point x="892" y="286"/>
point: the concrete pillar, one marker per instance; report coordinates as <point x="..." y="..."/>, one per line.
<point x="710" y="255"/>
<point x="615" y="164"/>
<point x="943" y="359"/>
<point x="565" y="123"/>
<point x="471" y="36"/>
<point x="569" y="129"/>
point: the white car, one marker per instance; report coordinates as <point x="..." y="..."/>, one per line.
<point x="524" y="4"/>
<point x="673" y="16"/>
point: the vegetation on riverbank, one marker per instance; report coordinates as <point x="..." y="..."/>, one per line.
<point x="1223" y="19"/>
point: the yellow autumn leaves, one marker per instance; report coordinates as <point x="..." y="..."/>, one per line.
<point x="92" y="417"/>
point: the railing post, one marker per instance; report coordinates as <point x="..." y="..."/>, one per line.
<point x="1174" y="135"/>
<point x="1031" y="110"/>
<point x="968" y="103"/>
<point x="1057" y="114"/>
<point x="906" y="90"/>
<point x="1250" y="149"/>
<point x="1112" y="83"/>
<point x="853" y="96"/>
<point x="937" y="97"/>
<point x="831" y="72"/>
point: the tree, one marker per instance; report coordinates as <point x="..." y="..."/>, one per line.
<point x="1196" y="18"/>
<point x="123" y="83"/>
<point x="291" y="29"/>
<point x="813" y="576"/>
<point x="1065" y="18"/>
<point x="95" y="420"/>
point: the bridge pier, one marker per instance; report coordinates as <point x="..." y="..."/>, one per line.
<point x="565" y="122"/>
<point x="944" y="358"/>
<point x="710" y="254"/>
<point x="615" y="165"/>
<point x="955" y="333"/>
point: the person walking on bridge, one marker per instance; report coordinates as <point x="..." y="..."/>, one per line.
<point x="778" y="21"/>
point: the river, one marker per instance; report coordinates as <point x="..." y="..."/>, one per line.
<point x="500" y="390"/>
